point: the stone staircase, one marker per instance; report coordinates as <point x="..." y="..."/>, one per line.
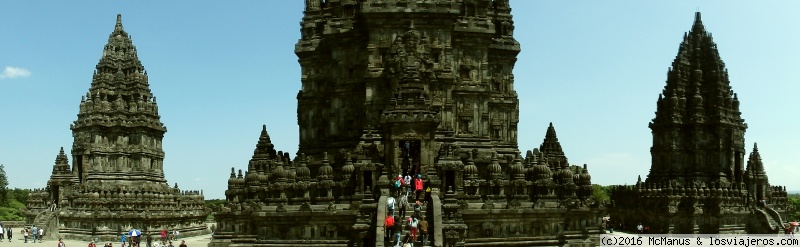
<point x="773" y="219"/>
<point x="49" y="221"/>
<point x="427" y="212"/>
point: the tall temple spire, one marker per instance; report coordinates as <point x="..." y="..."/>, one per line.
<point x="551" y="148"/>
<point x="116" y="152"/>
<point x="119" y="111"/>
<point x="61" y="165"/>
<point x="264" y="148"/>
<point x="755" y="167"/>
<point x="696" y="109"/>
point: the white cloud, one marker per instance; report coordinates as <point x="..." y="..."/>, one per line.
<point x="14" y="72"/>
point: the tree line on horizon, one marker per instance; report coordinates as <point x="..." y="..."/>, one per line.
<point x="12" y="201"/>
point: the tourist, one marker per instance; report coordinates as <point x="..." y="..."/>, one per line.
<point x="418" y="185"/>
<point x="163" y="236"/>
<point x="388" y="225"/>
<point x="407" y="183"/>
<point x="639" y="228"/>
<point x="398" y="183"/>
<point x="170" y="244"/>
<point x="390" y="204"/>
<point x="412" y="224"/>
<point x="403" y="203"/>
<point x="428" y="197"/>
<point x="41" y="234"/>
<point x="149" y="240"/>
<point x="91" y="243"/>
<point x="183" y="244"/>
<point x="177" y="235"/>
<point x="35" y="232"/>
<point x="417" y="209"/>
<point x="423" y="230"/>
<point x="60" y="243"/>
<point x="8" y="232"/>
<point x="25" y="233"/>
<point x="398" y="229"/>
<point x="124" y="239"/>
<point x="2" y="231"/>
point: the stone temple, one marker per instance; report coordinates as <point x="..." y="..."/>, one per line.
<point x="698" y="182"/>
<point x="117" y="180"/>
<point x="408" y="87"/>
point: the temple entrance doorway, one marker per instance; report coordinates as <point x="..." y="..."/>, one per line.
<point x="410" y="157"/>
<point x="79" y="164"/>
<point x="56" y="194"/>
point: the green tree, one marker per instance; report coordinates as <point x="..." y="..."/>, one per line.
<point x="21" y="195"/>
<point x="3" y="186"/>
<point x="794" y="207"/>
<point x="600" y="193"/>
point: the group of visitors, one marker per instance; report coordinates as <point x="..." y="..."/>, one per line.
<point x="135" y="239"/>
<point x="642" y="229"/>
<point x="5" y="232"/>
<point x="415" y="226"/>
<point x="417" y="230"/>
<point x="135" y="244"/>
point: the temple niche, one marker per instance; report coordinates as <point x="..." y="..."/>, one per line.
<point x="698" y="182"/>
<point x="417" y="88"/>
<point x="117" y="178"/>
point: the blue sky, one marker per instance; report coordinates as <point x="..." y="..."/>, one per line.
<point x="221" y="69"/>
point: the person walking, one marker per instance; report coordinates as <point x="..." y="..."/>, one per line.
<point x="183" y="244"/>
<point x="412" y="224"/>
<point x="403" y="203"/>
<point x="640" y="228"/>
<point x="60" y="242"/>
<point x="8" y="233"/>
<point x="163" y="237"/>
<point x="124" y="239"/>
<point x="35" y="232"/>
<point x="407" y="183"/>
<point x="418" y="186"/>
<point x="388" y="224"/>
<point x="41" y="234"/>
<point x="25" y="233"/>
<point x="423" y="230"/>
<point x="398" y="229"/>
<point x="417" y="209"/>
<point x="390" y="204"/>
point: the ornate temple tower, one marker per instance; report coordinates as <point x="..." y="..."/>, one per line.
<point x="698" y="131"/>
<point x="118" y="127"/>
<point x="450" y="58"/>
<point x="415" y="88"/>
<point x="117" y="179"/>
<point x="697" y="181"/>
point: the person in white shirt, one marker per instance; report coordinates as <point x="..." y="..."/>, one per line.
<point x="639" y="228"/>
<point x="390" y="204"/>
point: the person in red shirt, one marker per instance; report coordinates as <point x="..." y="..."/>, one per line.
<point x="418" y="185"/>
<point x="163" y="237"/>
<point x="389" y="226"/>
